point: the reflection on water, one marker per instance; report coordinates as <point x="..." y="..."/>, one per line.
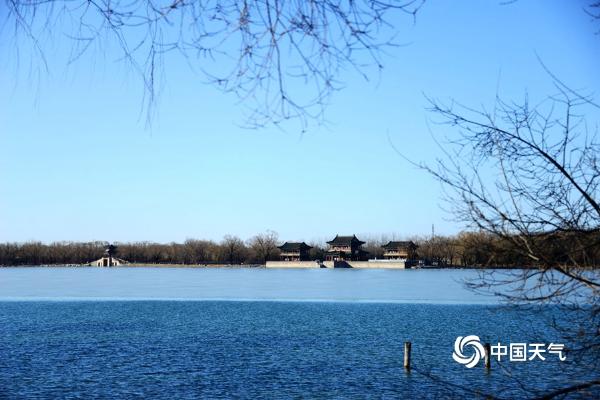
<point x="411" y="286"/>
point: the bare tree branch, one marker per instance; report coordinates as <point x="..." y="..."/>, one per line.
<point x="260" y="50"/>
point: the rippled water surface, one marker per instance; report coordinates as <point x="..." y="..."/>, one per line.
<point x="349" y="346"/>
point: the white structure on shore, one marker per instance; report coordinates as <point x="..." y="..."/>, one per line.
<point x="109" y="259"/>
<point x="108" y="262"/>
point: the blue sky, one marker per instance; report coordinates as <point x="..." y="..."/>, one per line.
<point x="78" y="162"/>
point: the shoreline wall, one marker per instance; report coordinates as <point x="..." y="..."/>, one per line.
<point x="367" y="264"/>
<point x="378" y="264"/>
<point x="338" y="264"/>
<point x="292" y="264"/>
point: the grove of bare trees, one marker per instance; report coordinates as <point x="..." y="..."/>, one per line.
<point x="464" y="250"/>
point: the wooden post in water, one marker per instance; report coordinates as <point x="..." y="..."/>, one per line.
<point x="487" y="356"/>
<point x="407" y="346"/>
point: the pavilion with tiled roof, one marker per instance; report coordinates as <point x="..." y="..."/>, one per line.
<point x="294" y="251"/>
<point x="345" y="248"/>
<point x="397" y="250"/>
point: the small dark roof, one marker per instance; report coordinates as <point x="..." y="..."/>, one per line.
<point x="110" y="249"/>
<point x="400" y="245"/>
<point x="345" y="240"/>
<point x="294" y="246"/>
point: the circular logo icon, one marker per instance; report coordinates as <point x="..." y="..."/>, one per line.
<point x="459" y="350"/>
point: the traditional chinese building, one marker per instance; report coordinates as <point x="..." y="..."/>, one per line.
<point x="400" y="250"/>
<point x="109" y="259"/>
<point x="345" y="248"/>
<point x="293" y="251"/>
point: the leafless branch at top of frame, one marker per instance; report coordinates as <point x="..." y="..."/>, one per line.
<point x="261" y="50"/>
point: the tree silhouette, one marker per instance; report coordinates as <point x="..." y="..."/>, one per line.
<point x="529" y="177"/>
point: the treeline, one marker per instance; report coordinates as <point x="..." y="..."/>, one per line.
<point x="479" y="249"/>
<point x="466" y="249"/>
<point x="231" y="250"/>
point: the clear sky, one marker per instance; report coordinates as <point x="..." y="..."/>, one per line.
<point x="77" y="162"/>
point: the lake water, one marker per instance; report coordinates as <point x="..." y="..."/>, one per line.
<point x="413" y="286"/>
<point x="176" y="333"/>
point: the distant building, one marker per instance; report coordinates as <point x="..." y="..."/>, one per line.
<point x="108" y="262"/>
<point x="400" y="251"/>
<point x="109" y="259"/>
<point x="345" y="248"/>
<point x="293" y="251"/>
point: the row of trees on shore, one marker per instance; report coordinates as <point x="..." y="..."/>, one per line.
<point x="466" y="249"/>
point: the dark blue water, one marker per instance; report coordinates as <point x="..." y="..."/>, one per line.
<point x="260" y="349"/>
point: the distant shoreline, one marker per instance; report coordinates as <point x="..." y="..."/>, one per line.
<point x="138" y="265"/>
<point x="200" y="266"/>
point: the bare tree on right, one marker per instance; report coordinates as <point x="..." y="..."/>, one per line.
<point x="528" y="176"/>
